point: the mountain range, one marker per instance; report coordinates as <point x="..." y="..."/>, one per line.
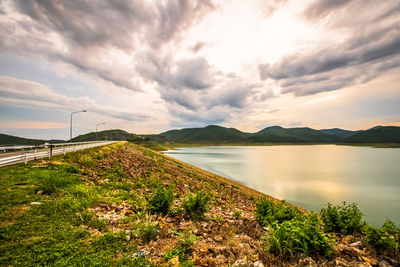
<point x="214" y="134"/>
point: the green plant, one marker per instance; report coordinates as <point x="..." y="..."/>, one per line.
<point x="146" y="230"/>
<point x="269" y="213"/>
<point x="186" y="239"/>
<point x="237" y="214"/>
<point x="345" y="219"/>
<point x="299" y="236"/>
<point x="196" y="205"/>
<point x="217" y="219"/>
<point x="161" y="200"/>
<point x="386" y="238"/>
<point x="173" y="253"/>
<point x="86" y="161"/>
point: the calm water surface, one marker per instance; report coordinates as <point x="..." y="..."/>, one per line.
<point x="310" y="175"/>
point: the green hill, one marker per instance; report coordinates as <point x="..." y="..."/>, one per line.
<point x="339" y="132"/>
<point x="211" y="133"/>
<point x="115" y="134"/>
<point x="381" y="134"/>
<point x="280" y="134"/>
<point x="6" y="139"/>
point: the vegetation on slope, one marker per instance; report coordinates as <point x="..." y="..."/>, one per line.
<point x="211" y="133"/>
<point x="124" y="204"/>
<point x="116" y="134"/>
<point x="339" y="132"/>
<point x="384" y="134"/>
<point x="280" y="134"/>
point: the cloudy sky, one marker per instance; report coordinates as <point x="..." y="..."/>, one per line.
<point x="149" y="66"/>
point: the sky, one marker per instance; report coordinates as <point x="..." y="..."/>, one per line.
<point x="150" y="66"/>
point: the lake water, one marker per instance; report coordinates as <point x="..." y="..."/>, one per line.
<point x="310" y="175"/>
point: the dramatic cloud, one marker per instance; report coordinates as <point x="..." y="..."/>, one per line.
<point x="357" y="59"/>
<point x="21" y="92"/>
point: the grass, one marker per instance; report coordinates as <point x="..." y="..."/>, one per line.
<point x="45" y="218"/>
<point x="195" y="206"/>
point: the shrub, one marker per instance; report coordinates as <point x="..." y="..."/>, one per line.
<point x="86" y="161"/>
<point x="173" y="253"/>
<point x="161" y="200"/>
<point x="269" y="213"/>
<point x="237" y="214"/>
<point x="186" y="239"/>
<point x="345" y="219"/>
<point x="146" y="231"/>
<point x="386" y="238"/>
<point x="299" y="236"/>
<point x="196" y="205"/>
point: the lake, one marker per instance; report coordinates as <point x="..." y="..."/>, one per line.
<point x="310" y="175"/>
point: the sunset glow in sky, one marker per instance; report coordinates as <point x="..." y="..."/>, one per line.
<point x="150" y="66"/>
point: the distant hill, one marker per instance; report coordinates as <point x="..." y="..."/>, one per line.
<point x="6" y="139"/>
<point x="115" y="134"/>
<point x="339" y="132"/>
<point x="378" y="134"/>
<point x="211" y="133"/>
<point x="280" y="134"/>
<point x="218" y="134"/>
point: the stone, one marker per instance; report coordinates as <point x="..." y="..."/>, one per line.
<point x="257" y="264"/>
<point x="220" y="259"/>
<point x="371" y="261"/>
<point x="239" y="263"/>
<point x="357" y="244"/>
<point x="174" y="262"/>
<point x="340" y="262"/>
<point x="35" y="203"/>
<point x="384" y="263"/>
<point x="218" y="238"/>
<point x="307" y="262"/>
<point x="390" y="261"/>
<point x="39" y="192"/>
<point x="350" y="251"/>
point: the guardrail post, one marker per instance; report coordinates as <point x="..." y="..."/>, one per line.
<point x="64" y="151"/>
<point x="26" y="159"/>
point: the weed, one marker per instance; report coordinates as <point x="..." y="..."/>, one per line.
<point x="186" y="239"/>
<point x="237" y="214"/>
<point x="269" y="213"/>
<point x="87" y="161"/>
<point x="161" y="200"/>
<point x="134" y="261"/>
<point x="345" y="219"/>
<point x="196" y="205"/>
<point x="146" y="230"/>
<point x="299" y="236"/>
<point x="174" y="253"/>
<point x="386" y="238"/>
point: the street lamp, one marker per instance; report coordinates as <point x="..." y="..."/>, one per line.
<point x="98" y="125"/>
<point x="70" y="126"/>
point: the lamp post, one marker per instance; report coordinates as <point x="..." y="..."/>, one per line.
<point x="70" y="126"/>
<point x="96" y="128"/>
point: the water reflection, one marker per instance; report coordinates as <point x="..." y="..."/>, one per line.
<point x="311" y="176"/>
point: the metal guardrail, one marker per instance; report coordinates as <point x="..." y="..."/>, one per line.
<point x="18" y="147"/>
<point x="25" y="157"/>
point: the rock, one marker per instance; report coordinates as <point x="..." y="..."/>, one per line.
<point x="307" y="262"/>
<point x="220" y="259"/>
<point x="384" y="263"/>
<point x="257" y="264"/>
<point x="371" y="261"/>
<point x="359" y="264"/>
<point x="35" y="203"/>
<point x="347" y="239"/>
<point x="357" y="244"/>
<point x="218" y="238"/>
<point x="239" y="263"/>
<point x="141" y="253"/>
<point x="340" y="262"/>
<point x="350" y="251"/>
<point x="174" y="262"/>
<point x="39" y="192"/>
<point x="390" y="261"/>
